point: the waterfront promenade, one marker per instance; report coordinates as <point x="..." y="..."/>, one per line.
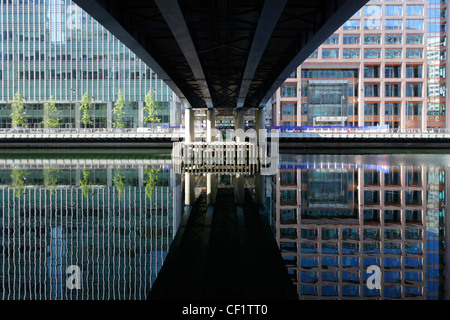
<point x="164" y="138"/>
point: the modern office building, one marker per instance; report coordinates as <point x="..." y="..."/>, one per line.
<point x="54" y="48"/>
<point x="388" y="216"/>
<point x="385" y="65"/>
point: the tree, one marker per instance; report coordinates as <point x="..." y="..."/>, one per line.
<point x="51" y="179"/>
<point x="119" y="182"/>
<point x="85" y="106"/>
<point x="18" y="177"/>
<point x="150" y="181"/>
<point x="85" y="183"/>
<point x="17" y="111"/>
<point x="151" y="109"/>
<point x="51" y="113"/>
<point x="118" y="111"/>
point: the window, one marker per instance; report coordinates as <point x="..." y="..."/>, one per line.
<point x="414" y="38"/>
<point x="437" y="27"/>
<point x="350" y="39"/>
<point x="372" y="39"/>
<point x="371" y="71"/>
<point x="350" y="54"/>
<point x="334" y="39"/>
<point x="289" y="109"/>
<point x="414" y="25"/>
<point x="392" y="109"/>
<point x="372" y="53"/>
<point x="372" y="10"/>
<point x="372" y="90"/>
<point x="413" y="89"/>
<point x="372" y="24"/>
<point x="314" y="55"/>
<point x="371" y="109"/>
<point x="392" y="90"/>
<point x="413" y="109"/>
<point x="393" y="39"/>
<point x="414" y="10"/>
<point x="393" y="10"/>
<point x="436" y="71"/>
<point x="414" y="53"/>
<point x="414" y="71"/>
<point x="393" y="24"/>
<point x="289" y="90"/>
<point x="393" y="53"/>
<point x="330" y="53"/>
<point x="352" y="25"/>
<point x="436" y="13"/>
<point x="392" y="71"/>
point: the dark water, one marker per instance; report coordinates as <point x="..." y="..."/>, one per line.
<point x="108" y="219"/>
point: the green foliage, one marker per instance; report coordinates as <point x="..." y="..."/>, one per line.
<point x="51" y="179"/>
<point x="17" y="111"/>
<point x="18" y="182"/>
<point x="51" y="113"/>
<point x="85" y="183"/>
<point x="85" y="106"/>
<point x="151" y="109"/>
<point x="119" y="182"/>
<point x="150" y="181"/>
<point x="118" y="111"/>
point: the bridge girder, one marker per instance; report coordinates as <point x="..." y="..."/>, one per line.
<point x="222" y="53"/>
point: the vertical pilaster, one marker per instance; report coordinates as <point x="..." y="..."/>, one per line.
<point x="210" y="124"/>
<point x="109" y="120"/>
<point x="189" y="129"/>
<point x="77" y="115"/>
<point x="140" y="114"/>
<point x="239" y="124"/>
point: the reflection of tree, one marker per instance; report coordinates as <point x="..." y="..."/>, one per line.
<point x="85" y="183"/>
<point x="18" y="182"/>
<point x="150" y="181"/>
<point x="119" y="182"/>
<point x="51" y="179"/>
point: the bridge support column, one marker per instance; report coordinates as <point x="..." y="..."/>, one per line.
<point x="210" y="125"/>
<point x="259" y="189"/>
<point x="189" y="192"/>
<point x="239" y="189"/>
<point x="260" y="122"/>
<point x="239" y="124"/>
<point x="189" y="129"/>
<point x="211" y="187"/>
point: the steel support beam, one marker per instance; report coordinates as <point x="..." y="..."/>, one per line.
<point x="171" y="11"/>
<point x="268" y="20"/>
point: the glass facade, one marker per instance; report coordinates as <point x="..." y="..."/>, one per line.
<point x="54" y="48"/>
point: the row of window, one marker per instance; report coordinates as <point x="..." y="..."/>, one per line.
<point x="409" y="38"/>
<point x="397" y="53"/>
<point x="395" y="24"/>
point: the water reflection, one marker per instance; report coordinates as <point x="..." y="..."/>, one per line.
<point x="113" y="221"/>
<point x="334" y="218"/>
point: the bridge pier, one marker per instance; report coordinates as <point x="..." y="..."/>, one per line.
<point x="189" y="192"/>
<point x="211" y="189"/>
<point x="239" y="125"/>
<point x="210" y="125"/>
<point x="189" y="128"/>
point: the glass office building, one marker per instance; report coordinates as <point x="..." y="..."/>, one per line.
<point x="54" y="48"/>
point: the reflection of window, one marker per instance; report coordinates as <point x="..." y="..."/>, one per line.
<point x="330" y="53"/>
<point x="393" y="39"/>
<point x="350" y="54"/>
<point x="393" y="10"/>
<point x="372" y="53"/>
<point x="416" y="24"/>
<point x="372" y="39"/>
<point x="414" y="38"/>
<point x="414" y="53"/>
<point x="372" y="24"/>
<point x="351" y="25"/>
<point x="393" y="53"/>
<point x="414" y="10"/>
<point x="391" y="24"/>
<point x="350" y="39"/>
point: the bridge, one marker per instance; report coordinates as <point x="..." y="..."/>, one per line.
<point x="221" y="54"/>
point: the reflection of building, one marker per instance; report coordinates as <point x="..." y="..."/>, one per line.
<point x="391" y="55"/>
<point x="392" y="217"/>
<point x="117" y="236"/>
<point x="53" y="48"/>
